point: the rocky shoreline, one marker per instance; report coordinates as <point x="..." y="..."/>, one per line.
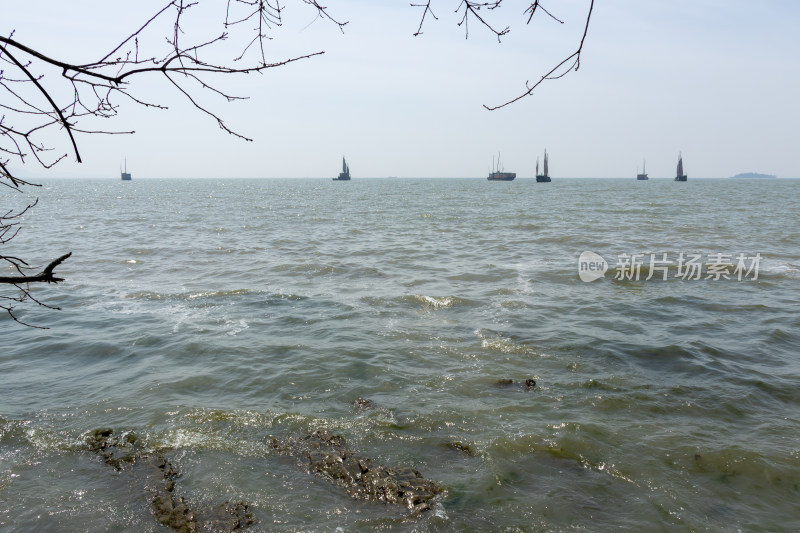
<point x="329" y="456"/>
<point x="320" y="452"/>
<point x="157" y="476"/>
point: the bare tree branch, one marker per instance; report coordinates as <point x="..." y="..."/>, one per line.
<point x="473" y="8"/>
<point x="574" y="61"/>
<point x="40" y="93"/>
<point x="45" y="275"/>
<point x="94" y="84"/>
<point x="49" y="99"/>
<point x="536" y="5"/>
<point x="322" y="12"/>
<point x="427" y="10"/>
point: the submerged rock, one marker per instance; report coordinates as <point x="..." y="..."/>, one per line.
<point x="529" y="383"/>
<point x="363" y="403"/>
<point x="329" y="456"/>
<point x="157" y="477"/>
<point x="461" y="447"/>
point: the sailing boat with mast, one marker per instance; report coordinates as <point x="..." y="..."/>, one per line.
<point x="344" y="175"/>
<point x="680" y="176"/>
<point x="126" y="176"/>
<point x="643" y="175"/>
<point x="544" y="177"/>
<point x="498" y="174"/>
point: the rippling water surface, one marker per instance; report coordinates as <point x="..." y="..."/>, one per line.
<point x="209" y="315"/>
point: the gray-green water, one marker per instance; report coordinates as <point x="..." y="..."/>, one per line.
<point x="206" y="315"/>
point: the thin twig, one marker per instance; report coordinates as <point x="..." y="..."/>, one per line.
<point x="575" y="57"/>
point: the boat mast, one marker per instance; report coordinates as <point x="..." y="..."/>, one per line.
<point x="545" y="163"/>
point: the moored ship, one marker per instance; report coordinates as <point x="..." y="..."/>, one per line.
<point x="344" y="175"/>
<point x="643" y="175"/>
<point x="126" y="176"/>
<point x="544" y="177"/>
<point x="679" y="175"/>
<point x="498" y="174"/>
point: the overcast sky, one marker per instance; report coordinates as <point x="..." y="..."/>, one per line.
<point x="716" y="80"/>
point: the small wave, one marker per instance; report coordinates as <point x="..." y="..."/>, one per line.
<point x="236" y="326"/>
<point x="45" y="438"/>
<point x="746" y="466"/>
<point x="313" y="269"/>
<point x="597" y="385"/>
<point x="781" y="336"/>
<point x="585" y="453"/>
<point x="494" y="275"/>
<point x="190" y="295"/>
<point x="214" y="429"/>
<point x="430" y="303"/>
<point x="503" y="291"/>
<point x="787" y="393"/>
<point x="514" y="304"/>
<point x="500" y="342"/>
<point x="530" y="226"/>
<point x="436" y="302"/>
<point x="217" y="294"/>
<point x="779" y="271"/>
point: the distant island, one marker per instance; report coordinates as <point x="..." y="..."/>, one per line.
<point x="754" y="175"/>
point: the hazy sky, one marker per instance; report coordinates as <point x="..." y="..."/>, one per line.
<point x="714" y="79"/>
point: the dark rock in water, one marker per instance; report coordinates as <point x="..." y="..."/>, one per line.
<point x="157" y="476"/>
<point x="225" y="517"/>
<point x="460" y="446"/>
<point x="329" y="455"/>
<point x="115" y="451"/>
<point x="363" y="403"/>
<point x="529" y="383"/>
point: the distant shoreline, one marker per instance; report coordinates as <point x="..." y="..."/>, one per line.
<point x="754" y="175"/>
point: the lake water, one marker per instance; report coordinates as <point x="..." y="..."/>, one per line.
<point x="209" y="315"/>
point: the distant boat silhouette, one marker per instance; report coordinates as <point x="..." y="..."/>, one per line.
<point x="125" y="174"/>
<point x="498" y="174"/>
<point x="679" y="175"/>
<point x="344" y="175"/>
<point x="544" y="177"/>
<point x="643" y="175"/>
